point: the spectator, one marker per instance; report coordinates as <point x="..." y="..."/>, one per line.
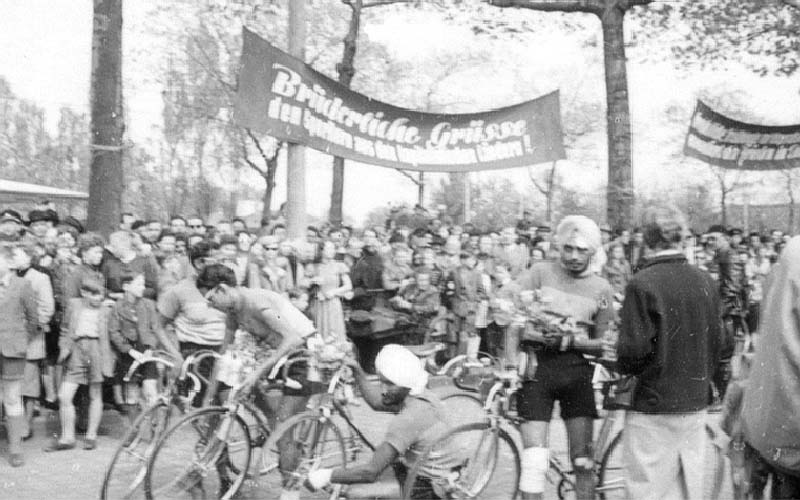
<point x="397" y="273"/>
<point x="122" y="259"/>
<point x="330" y="283"/>
<point x="617" y="270"/>
<point x="367" y="274"/>
<point x="670" y="338"/>
<point x="134" y="328"/>
<point x="41" y="221"/>
<point x="238" y="224"/>
<point x="36" y="353"/>
<point x="126" y="221"/>
<point x="10" y="225"/>
<point x="177" y="224"/>
<point x="771" y="405"/>
<point x="466" y="280"/>
<point x="86" y="354"/>
<point x="195" y="226"/>
<point x="20" y="321"/>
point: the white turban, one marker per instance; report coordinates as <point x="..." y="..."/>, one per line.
<point x="581" y="230"/>
<point x="402" y="368"/>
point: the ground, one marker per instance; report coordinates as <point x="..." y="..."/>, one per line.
<point x="77" y="474"/>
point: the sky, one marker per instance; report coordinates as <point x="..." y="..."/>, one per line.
<point x="46" y="58"/>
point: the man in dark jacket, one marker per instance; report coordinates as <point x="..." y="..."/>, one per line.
<point x="670" y="337"/>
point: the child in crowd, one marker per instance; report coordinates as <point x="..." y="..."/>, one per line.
<point x="19" y="322"/>
<point x="86" y="354"/>
<point x="36" y="353"/>
<point x="133" y="328"/>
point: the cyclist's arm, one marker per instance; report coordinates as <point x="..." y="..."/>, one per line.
<point x="165" y="340"/>
<point x="383" y="457"/>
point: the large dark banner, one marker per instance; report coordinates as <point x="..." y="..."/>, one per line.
<point x="281" y="96"/>
<point x="722" y="141"/>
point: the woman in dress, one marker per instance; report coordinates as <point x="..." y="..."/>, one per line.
<point x="329" y="282"/>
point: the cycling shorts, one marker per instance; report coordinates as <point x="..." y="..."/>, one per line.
<point x="563" y="380"/>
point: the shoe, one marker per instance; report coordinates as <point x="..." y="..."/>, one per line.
<point x="16" y="460"/>
<point x="119" y="408"/>
<point x="58" y="446"/>
<point x="27" y="436"/>
<point x="89" y="444"/>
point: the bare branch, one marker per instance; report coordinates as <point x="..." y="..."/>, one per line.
<point x="590" y="6"/>
<point x="409" y="176"/>
<point x="792" y="3"/>
<point x="535" y="182"/>
<point x="380" y="3"/>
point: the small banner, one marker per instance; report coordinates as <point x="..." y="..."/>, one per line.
<point x="281" y="96"/>
<point x="727" y="143"/>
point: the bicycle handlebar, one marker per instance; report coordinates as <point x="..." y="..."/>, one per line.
<point x="154" y="357"/>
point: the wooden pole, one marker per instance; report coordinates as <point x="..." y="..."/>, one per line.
<point x="296" y="166"/>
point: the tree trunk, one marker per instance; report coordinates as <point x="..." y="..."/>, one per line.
<point x="551" y="181"/>
<point x="421" y="189"/>
<point x="346" y="71"/>
<point x="619" y="194"/>
<point x="106" y="178"/>
<point x="723" y="202"/>
<point x="790" y="191"/>
<point x="269" y="178"/>
<point x="295" y="155"/>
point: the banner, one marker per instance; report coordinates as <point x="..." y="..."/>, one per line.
<point x="727" y="143"/>
<point x="281" y="96"/>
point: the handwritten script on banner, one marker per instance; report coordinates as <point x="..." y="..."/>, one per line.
<point x="281" y="96"/>
<point x="722" y="141"/>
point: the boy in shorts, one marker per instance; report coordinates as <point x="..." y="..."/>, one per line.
<point x="86" y="355"/>
<point x="132" y="329"/>
<point x="19" y="322"/>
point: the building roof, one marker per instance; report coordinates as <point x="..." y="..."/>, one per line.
<point x="22" y="191"/>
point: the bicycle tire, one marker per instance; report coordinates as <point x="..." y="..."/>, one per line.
<point x="317" y="442"/>
<point x="125" y="473"/>
<point x="463" y="407"/>
<point x="190" y="455"/>
<point x="463" y="451"/>
<point x="611" y="476"/>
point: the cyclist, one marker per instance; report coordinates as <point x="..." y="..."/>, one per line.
<point x="420" y="419"/>
<point x="278" y="329"/>
<point x="570" y="289"/>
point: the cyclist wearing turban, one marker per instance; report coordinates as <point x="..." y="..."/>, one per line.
<point x="556" y="368"/>
<point x="420" y="419"/>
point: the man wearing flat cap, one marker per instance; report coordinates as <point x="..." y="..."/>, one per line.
<point x="10" y="225"/>
<point x="41" y="221"/>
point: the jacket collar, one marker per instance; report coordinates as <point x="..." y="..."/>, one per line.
<point x="670" y="256"/>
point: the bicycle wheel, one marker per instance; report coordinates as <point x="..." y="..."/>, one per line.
<point x="125" y="473"/>
<point x="306" y="442"/>
<point x="611" y="477"/>
<point x="205" y="455"/>
<point x="463" y="407"/>
<point x="475" y="461"/>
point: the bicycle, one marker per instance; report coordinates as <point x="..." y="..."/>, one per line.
<point x="125" y="472"/>
<point x="208" y="453"/>
<point x="486" y="444"/>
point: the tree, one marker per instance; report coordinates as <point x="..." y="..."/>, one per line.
<point x="762" y="34"/>
<point x="729" y="182"/>
<point x="612" y="16"/>
<point x="790" y="178"/>
<point x="107" y="125"/>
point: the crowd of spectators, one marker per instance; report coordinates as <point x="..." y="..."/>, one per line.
<point x="79" y="287"/>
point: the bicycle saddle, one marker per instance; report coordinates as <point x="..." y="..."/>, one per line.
<point x="425" y="350"/>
